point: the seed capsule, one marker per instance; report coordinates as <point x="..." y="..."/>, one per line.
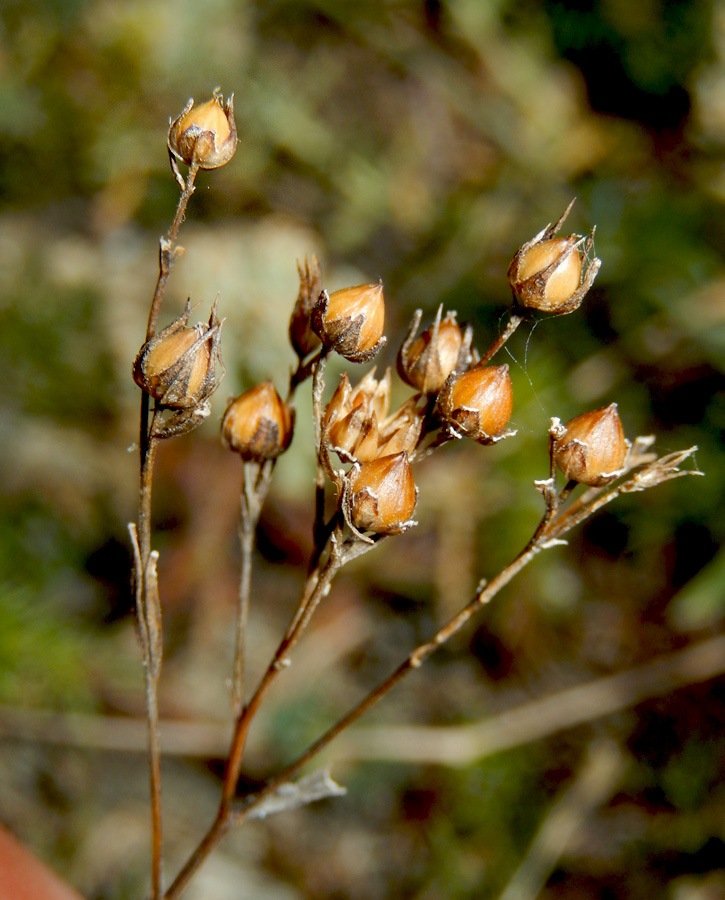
<point x="205" y="134"/>
<point x="426" y="361"/>
<point x="478" y="403"/>
<point x="355" y="435"/>
<point x="401" y="430"/>
<point x="350" y="421"/>
<point x="177" y="367"/>
<point x="380" y="495"/>
<point x="351" y="321"/>
<point x="302" y="337"/>
<point x="258" y="424"/>
<point x="553" y="274"/>
<point x="593" y="448"/>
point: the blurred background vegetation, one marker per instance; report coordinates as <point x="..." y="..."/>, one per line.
<point x="420" y="143"/>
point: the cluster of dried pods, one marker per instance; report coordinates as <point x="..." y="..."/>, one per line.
<point x="457" y="393"/>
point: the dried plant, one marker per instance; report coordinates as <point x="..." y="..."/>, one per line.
<point x="367" y="457"/>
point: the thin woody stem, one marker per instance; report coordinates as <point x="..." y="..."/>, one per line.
<point x="152" y="710"/>
<point x="256" y="481"/>
<point x="414" y="661"/>
<point x="323" y="463"/>
<point x="513" y="323"/>
<point x="147" y="451"/>
<point x="168" y="251"/>
<point x="539" y="541"/>
<point x="279" y="662"/>
<point x="303" y="372"/>
<point x="316" y="588"/>
<point x="152" y="656"/>
<point x="210" y="840"/>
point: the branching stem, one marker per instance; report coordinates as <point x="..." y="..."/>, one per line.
<point x="146" y="585"/>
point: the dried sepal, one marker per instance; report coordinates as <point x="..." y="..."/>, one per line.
<point x="401" y="431"/>
<point x="355" y="436"/>
<point x="660" y="470"/>
<point x="182" y="421"/>
<point x="350" y="420"/>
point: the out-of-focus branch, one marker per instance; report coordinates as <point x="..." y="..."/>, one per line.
<point x="461" y="745"/>
<point x="592" y="786"/>
<point x="457" y="745"/>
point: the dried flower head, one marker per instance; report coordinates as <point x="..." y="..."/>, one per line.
<point x="380" y="495"/>
<point x="592" y="448"/>
<point x="426" y="362"/>
<point x="258" y="424"/>
<point x="351" y="321"/>
<point x="350" y="420"/>
<point x="371" y="393"/>
<point x="301" y="335"/>
<point x="401" y="430"/>
<point x="553" y="274"/>
<point x="205" y="134"/>
<point x="477" y="404"/>
<point x="177" y="367"/>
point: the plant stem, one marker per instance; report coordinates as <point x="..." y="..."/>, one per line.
<point x="316" y="587"/>
<point x="414" y="661"/>
<point x="323" y="462"/>
<point x="310" y="600"/>
<point x="256" y="480"/>
<point x="513" y="323"/>
<point x="208" y="843"/>
<point x="150" y="619"/>
<point x="303" y="372"/>
<point x="149" y="623"/>
<point x="168" y="251"/>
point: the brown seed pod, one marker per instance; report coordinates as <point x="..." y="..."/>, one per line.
<point x="380" y="495"/>
<point x="426" y="362"/>
<point x="553" y="274"/>
<point x="177" y="367"/>
<point x="477" y="404"/>
<point x="258" y="424"/>
<point x="351" y="321"/>
<point x="592" y="449"/>
<point x="205" y="134"/>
